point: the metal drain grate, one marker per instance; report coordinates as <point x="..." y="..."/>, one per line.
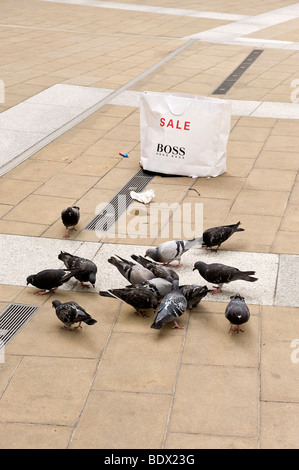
<point x="12" y="319"/>
<point x="236" y="74"/>
<point x="119" y="203"/>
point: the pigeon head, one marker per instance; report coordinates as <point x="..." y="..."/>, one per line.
<point x="30" y="279"/>
<point x="55" y="303"/>
<point x="92" y="279"/>
<point x="199" y="265"/>
<point x="61" y="255"/>
<point x="237" y="297"/>
<point x="151" y="253"/>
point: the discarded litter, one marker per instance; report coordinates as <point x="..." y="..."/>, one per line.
<point x="144" y="197"/>
<point x="123" y="154"/>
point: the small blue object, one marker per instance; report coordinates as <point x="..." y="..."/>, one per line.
<point x="123" y="154"/>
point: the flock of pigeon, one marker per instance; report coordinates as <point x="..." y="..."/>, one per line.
<point x="153" y="283"/>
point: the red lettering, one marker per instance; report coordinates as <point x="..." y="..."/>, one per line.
<point x="176" y="125"/>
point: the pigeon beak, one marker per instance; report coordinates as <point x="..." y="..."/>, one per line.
<point x="193" y="269"/>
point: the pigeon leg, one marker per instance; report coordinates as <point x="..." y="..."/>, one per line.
<point x="66" y="235"/>
<point x="45" y="291"/>
<point x="79" y="326"/>
<point x="177" y="326"/>
<point x="74" y="228"/>
<point x="141" y="314"/>
<point x="235" y="330"/>
<point x="85" y="286"/>
<point x="239" y="329"/>
<point x="218" y="289"/>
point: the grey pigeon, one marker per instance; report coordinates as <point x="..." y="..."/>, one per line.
<point x="172" y="306"/>
<point x="70" y="218"/>
<point x="86" y="269"/>
<point x="134" y="273"/>
<point x="193" y="294"/>
<point x="138" y="297"/>
<point x="237" y="312"/>
<point x="215" y="236"/>
<point x="158" y="286"/>
<point x="165" y="272"/>
<point x="172" y="250"/>
<point x="49" y="279"/>
<point x="70" y="313"/>
<point x="220" y="274"/>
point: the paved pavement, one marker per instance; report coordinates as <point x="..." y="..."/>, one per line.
<point x="72" y="72"/>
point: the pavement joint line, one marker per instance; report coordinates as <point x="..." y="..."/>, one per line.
<point x="91" y="33"/>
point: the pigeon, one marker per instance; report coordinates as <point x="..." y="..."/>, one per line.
<point x="86" y="269"/>
<point x="49" y="279"/>
<point x="134" y="273"/>
<point x="220" y="274"/>
<point x="172" y="250"/>
<point x="138" y="297"/>
<point x="70" y="313"/>
<point x="158" y="286"/>
<point x="237" y="312"/>
<point x="172" y="306"/>
<point x="194" y="294"/>
<point x="215" y="236"/>
<point x="70" y="218"/>
<point x="165" y="272"/>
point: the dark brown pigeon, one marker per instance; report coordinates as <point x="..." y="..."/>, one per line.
<point x="138" y="297"/>
<point x="86" y="269"/>
<point x="215" y="236"/>
<point x="237" y="313"/>
<point x="70" y="218"/>
<point x="193" y="294"/>
<point x="220" y="274"/>
<point x="70" y="313"/>
<point x="49" y="279"/>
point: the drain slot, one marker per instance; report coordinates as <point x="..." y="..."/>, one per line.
<point x="237" y="73"/>
<point x="119" y="203"/>
<point x="12" y="319"/>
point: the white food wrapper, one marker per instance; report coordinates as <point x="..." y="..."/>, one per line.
<point x="144" y="197"/>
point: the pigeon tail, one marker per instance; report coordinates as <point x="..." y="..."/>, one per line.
<point x="157" y="326"/>
<point x="105" y="293"/>
<point x="237" y="228"/>
<point x="246" y="276"/>
<point x="90" y="321"/>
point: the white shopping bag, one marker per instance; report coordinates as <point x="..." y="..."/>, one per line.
<point x="184" y="134"/>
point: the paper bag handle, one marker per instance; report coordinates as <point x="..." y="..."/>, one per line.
<point x="178" y="105"/>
